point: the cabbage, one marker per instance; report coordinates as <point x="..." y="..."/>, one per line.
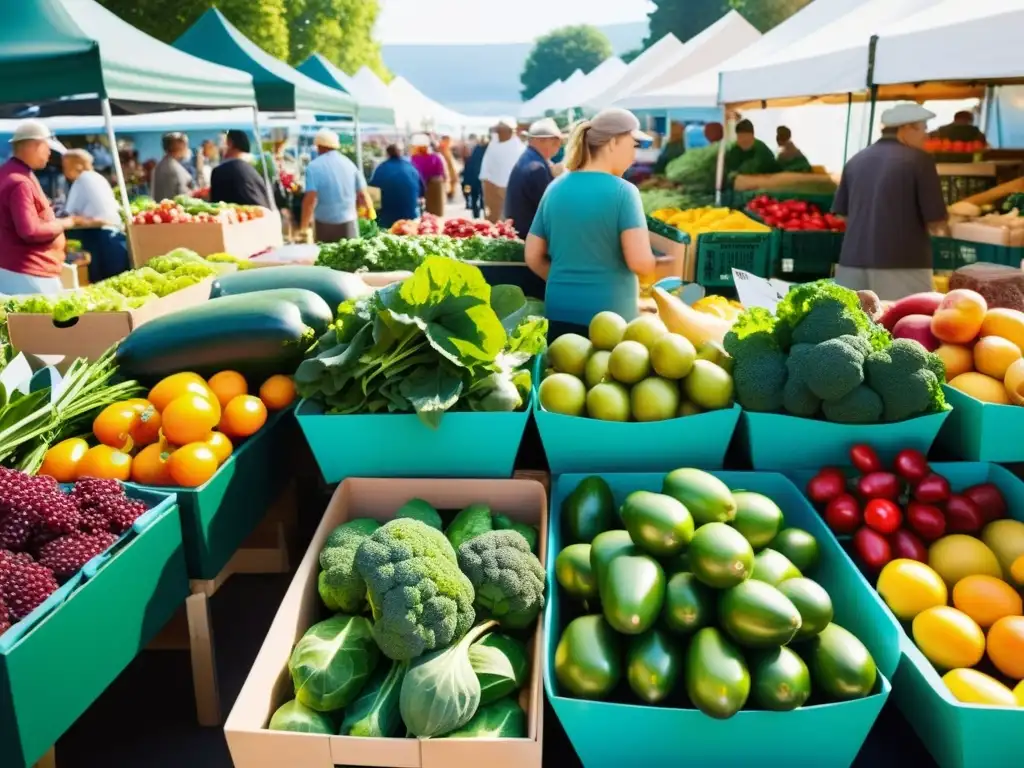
<point x="298" y="718"/>
<point x="500" y="663"/>
<point x="332" y="662"/>
<point x="503" y="719"/>
<point x="375" y="713"/>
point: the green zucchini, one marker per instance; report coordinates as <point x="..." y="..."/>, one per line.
<point x="332" y="286"/>
<point x="257" y="335"/>
<point x="314" y="310"/>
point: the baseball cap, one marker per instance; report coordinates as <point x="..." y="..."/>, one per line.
<point x="508" y="122"/>
<point x="905" y="114"/>
<point x="36" y="130"/>
<point x="615" y="122"/>
<point x="326" y="138"/>
<point x="545" y="128"/>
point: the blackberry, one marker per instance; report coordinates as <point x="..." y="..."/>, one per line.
<point x="66" y="556"/>
<point x="90" y="489"/>
<point x="26" y="587"/>
<point x="17" y="528"/>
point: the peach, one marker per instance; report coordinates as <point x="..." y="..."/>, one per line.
<point x="981" y="387"/>
<point x="957" y="359"/>
<point x="994" y="354"/>
<point x="1007" y="323"/>
<point x="959" y="317"/>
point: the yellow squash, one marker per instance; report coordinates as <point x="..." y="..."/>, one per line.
<point x="698" y="327"/>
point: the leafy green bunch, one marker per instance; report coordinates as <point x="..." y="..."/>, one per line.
<point x="389" y="253"/>
<point x="820" y="355"/>
<point x="440" y="340"/>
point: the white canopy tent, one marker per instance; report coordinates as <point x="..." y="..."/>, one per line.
<point x="415" y="111"/>
<point x="372" y="86"/>
<point x="600" y="78"/>
<point x="529" y="107"/>
<point x="651" y="61"/>
<point x="179" y="120"/>
<point x="558" y="99"/>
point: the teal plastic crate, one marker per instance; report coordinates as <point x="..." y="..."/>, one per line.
<point x="467" y="444"/>
<point x="659" y="227"/>
<point x="782" y="443"/>
<point x="719" y="252"/>
<point x="949" y="254"/>
<point x="806" y="256"/>
<point x="616" y="734"/>
<point x="58" y="660"/>
<point x="977" y="431"/>
<point x="219" y="515"/>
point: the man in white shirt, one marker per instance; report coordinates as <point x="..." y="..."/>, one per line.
<point x="502" y="154"/>
<point x="91" y="199"/>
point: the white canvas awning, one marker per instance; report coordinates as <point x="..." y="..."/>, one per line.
<point x="529" y="107"/>
<point x="600" y="78"/>
<point x="414" y="111"/>
<point x="651" y="61"/>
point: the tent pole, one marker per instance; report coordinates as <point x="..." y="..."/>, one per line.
<point x="263" y="157"/>
<point x="720" y="169"/>
<point x="849" y="117"/>
<point x="871" y="113"/>
<point x="108" y="121"/>
<point x="359" y="143"/>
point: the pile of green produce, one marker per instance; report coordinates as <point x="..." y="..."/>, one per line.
<point x="700" y="602"/>
<point x="659" y="199"/>
<point x="391" y="253"/>
<point x="161" y="276"/>
<point x="442" y="651"/>
<point x="695" y="170"/>
<point x="635" y="371"/>
<point x="820" y="355"/>
<point x="440" y="340"/>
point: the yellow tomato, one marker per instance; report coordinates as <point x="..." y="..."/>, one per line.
<point x="909" y="587"/>
<point x="948" y="638"/>
<point x="973" y="687"/>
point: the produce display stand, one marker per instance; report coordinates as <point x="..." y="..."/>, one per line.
<point x="92" y="334"/>
<point x="243" y="238"/>
<point x="57" y="661"/>
<point x="977" y="431"/>
<point x="615" y="734"/>
<point x="782" y="443"/>
<point x="269" y="684"/>
<point x="466" y="444"/>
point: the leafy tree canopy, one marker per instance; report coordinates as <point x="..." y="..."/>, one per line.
<point x="561" y="52"/>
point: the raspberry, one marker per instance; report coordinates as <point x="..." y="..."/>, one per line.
<point x="26" y="587"/>
<point x="66" y="556"/>
<point x="5" y="621"/>
<point x="17" y="528"/>
<point x="90" y="489"/>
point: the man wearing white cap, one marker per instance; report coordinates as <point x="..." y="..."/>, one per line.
<point x="31" y="236"/>
<point x="532" y="174"/>
<point x="332" y="185"/>
<point x="892" y="198"/>
<point x="499" y="159"/>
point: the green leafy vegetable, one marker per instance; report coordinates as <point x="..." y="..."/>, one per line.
<point x="375" y="713"/>
<point x="501" y="664"/>
<point x="298" y="718"/>
<point x="504" y="719"/>
<point x="420" y="510"/>
<point x="332" y="662"/>
<point x="528" y="532"/>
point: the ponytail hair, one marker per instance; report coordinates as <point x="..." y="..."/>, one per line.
<point x="577" y="151"/>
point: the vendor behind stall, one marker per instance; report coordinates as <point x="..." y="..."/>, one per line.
<point x="589" y="239"/>
<point x="674" y="147"/>
<point x="748" y="155"/>
<point x="961" y="129"/>
<point x="91" y="199"/>
<point x="790" y="158"/>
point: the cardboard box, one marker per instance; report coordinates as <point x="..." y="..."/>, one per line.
<point x="92" y="334"/>
<point x="673" y="259"/>
<point x="269" y="684"/>
<point x="242" y="239"/>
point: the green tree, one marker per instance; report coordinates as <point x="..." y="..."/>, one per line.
<point x="560" y="53"/>
<point x="683" y="18"/>
<point x="629" y="56"/>
<point x="767" y="14"/>
<point x="340" y="30"/>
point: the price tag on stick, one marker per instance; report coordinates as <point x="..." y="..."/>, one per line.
<point x="754" y="291"/>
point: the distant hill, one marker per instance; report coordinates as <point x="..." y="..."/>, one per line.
<point x="482" y="79"/>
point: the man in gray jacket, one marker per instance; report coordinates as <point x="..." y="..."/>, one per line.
<point x="170" y="178"/>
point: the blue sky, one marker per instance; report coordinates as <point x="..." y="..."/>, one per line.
<point x="480" y="21"/>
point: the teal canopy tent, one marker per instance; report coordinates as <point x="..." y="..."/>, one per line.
<point x="370" y="110"/>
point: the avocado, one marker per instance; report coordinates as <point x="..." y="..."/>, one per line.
<point x="708" y="499"/>
<point x="717" y="680"/>
<point x="604" y="548"/>
<point x="757" y="615"/>
<point x="774" y="568"/>
<point x="813" y="603"/>
<point x="632" y="593"/>
<point x="653" y="663"/>
<point x="588" y="510"/>
<point x="758" y="518"/>
<point x="588" y="663"/>
<point x="781" y="681"/>
<point x="799" y="546"/>
<point x="574" y="573"/>
<point x="689" y="605"/>
<point x="720" y="556"/>
<point x="660" y="525"/>
<point x="840" y="665"/>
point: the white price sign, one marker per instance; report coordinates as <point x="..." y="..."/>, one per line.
<point x="754" y="291"/>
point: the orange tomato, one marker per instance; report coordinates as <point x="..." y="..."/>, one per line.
<point x="192" y="465"/>
<point x="61" y="460"/>
<point x="176" y="385"/>
<point x="243" y="417"/>
<point x="1006" y="646"/>
<point x="114" y="425"/>
<point x="149" y="467"/>
<point x="227" y="385"/>
<point x="189" y="419"/>
<point x="277" y="392"/>
<point x="147" y="428"/>
<point x="221" y="446"/>
<point x="106" y="463"/>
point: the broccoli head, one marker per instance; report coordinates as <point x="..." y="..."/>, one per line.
<point x="759" y="379"/>
<point x="506" y="523"/>
<point x="798" y="400"/>
<point x="906" y="378"/>
<point x="340" y="585"/>
<point x="828" y="319"/>
<point x="420" y="599"/>
<point x="801" y="300"/>
<point x="831" y="369"/>
<point x="861" y="406"/>
<point x="507" y="577"/>
<point x="418" y="509"/>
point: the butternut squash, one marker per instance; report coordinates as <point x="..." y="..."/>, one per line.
<point x="698" y="327"/>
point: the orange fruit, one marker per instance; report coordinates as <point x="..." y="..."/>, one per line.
<point x="106" y="463"/>
<point x="1006" y="646"/>
<point x="61" y="460"/>
<point x="1017" y="571"/>
<point x="227" y="385"/>
<point x="149" y="467"/>
<point x="957" y="359"/>
<point x="114" y="425"/>
<point x="192" y="465"/>
<point x="189" y="419"/>
<point x="277" y="392"/>
<point x="986" y="599"/>
<point x="147" y="427"/>
<point x="176" y="385"/>
<point x="221" y="446"/>
<point x="243" y="417"/>
<point x="994" y="354"/>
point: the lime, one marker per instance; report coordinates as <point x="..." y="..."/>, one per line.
<point x="596" y="370"/>
<point x="608" y="401"/>
<point x="672" y="356"/>
<point x="646" y="329"/>
<point x="606" y="329"/>
<point x="654" y="399"/>
<point x="630" y="362"/>
<point x="563" y="393"/>
<point x="569" y="352"/>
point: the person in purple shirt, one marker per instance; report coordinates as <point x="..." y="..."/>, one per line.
<point x="432" y="170"/>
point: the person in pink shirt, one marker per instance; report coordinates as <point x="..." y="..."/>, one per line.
<point x="31" y="236"/>
<point x="432" y="170"/>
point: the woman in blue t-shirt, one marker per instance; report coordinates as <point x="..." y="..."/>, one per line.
<point x="589" y="240"/>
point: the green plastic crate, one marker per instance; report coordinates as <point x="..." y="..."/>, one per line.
<point x="219" y="515"/>
<point x="615" y="734"/>
<point x="719" y="252"/>
<point x="806" y="256"/>
<point x="949" y="254"/>
<point x="977" y="431"/>
<point x="946" y="255"/>
<point x="659" y="227"/>
<point x="57" y="661"/>
<point x="739" y="200"/>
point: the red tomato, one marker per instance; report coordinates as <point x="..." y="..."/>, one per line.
<point x="912" y="465"/>
<point x="932" y="489"/>
<point x="926" y="520"/>
<point x="826" y="485"/>
<point x="872" y="548"/>
<point x="963" y="515"/>
<point x="989" y="499"/>
<point x="906" y="545"/>
<point x="842" y="514"/>
<point x="864" y="458"/>
<point x="879" y="485"/>
<point x="882" y="515"/>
